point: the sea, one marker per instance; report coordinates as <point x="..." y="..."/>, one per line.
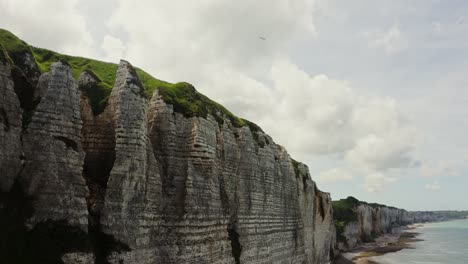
<point x="444" y="243"/>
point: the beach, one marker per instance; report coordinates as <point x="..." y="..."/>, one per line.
<point x="400" y="238"/>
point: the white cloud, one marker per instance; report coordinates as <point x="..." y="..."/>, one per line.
<point x="55" y="24"/>
<point x="376" y="182"/>
<point x="439" y="169"/>
<point x="437" y="27"/>
<point x="392" y="41"/>
<point x="114" y="48"/>
<point x="216" y="46"/>
<point x="296" y="90"/>
<point x="317" y="109"/>
<point x="328" y="117"/>
<point x="383" y="151"/>
<point x="189" y="39"/>
<point x="334" y="175"/>
<point x="434" y="186"/>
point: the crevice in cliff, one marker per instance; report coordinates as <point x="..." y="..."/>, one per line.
<point x="24" y="89"/>
<point x="98" y="139"/>
<point x="236" y="247"/>
<point x="95" y="91"/>
<point x="96" y="170"/>
<point x="4" y="120"/>
<point x="98" y="163"/>
<point x="102" y="244"/>
<point x="319" y="203"/>
<point x="25" y="74"/>
<point x="223" y="196"/>
<point x="97" y="166"/>
<point x="230" y="204"/>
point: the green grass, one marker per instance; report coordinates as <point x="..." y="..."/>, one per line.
<point x="375" y="205"/>
<point x="182" y="96"/>
<point x="104" y="70"/>
<point x="11" y="46"/>
<point x="11" y="43"/>
<point x="151" y="84"/>
<point x="188" y="101"/>
<point x="344" y="210"/>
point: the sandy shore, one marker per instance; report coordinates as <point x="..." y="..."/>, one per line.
<point x="396" y="241"/>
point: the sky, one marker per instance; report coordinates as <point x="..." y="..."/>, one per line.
<point x="371" y="95"/>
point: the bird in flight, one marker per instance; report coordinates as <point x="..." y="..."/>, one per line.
<point x="262" y="38"/>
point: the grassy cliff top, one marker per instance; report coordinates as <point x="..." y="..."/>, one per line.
<point x="344" y="210"/>
<point x="353" y="202"/>
<point x="182" y="96"/>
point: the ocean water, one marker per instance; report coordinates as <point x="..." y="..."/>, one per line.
<point x="444" y="243"/>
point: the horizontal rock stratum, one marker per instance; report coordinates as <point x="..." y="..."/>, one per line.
<point x="102" y="163"/>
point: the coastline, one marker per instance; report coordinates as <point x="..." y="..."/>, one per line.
<point x="400" y="238"/>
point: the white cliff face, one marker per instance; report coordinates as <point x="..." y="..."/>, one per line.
<point x="352" y="236"/>
<point x="372" y="221"/>
<point x="437" y="216"/>
<point x="52" y="171"/>
<point x="324" y="229"/>
<point x="367" y="225"/>
<point x="213" y="193"/>
<point x="142" y="183"/>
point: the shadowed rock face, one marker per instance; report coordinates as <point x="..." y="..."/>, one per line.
<point x="141" y="183"/>
<point x="42" y="196"/>
<point x="10" y="127"/>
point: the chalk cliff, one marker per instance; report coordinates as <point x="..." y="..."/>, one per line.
<point x="136" y="178"/>
<point x="437" y="216"/>
<point x="358" y="222"/>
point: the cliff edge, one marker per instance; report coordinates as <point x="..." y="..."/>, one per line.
<point x="358" y="222"/>
<point x="103" y="163"/>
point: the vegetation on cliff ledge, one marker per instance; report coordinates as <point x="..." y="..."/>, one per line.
<point x="344" y="212"/>
<point x="183" y="96"/>
<point x="344" y="209"/>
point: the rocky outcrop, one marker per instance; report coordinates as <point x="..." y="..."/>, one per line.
<point x="42" y="199"/>
<point x="53" y="151"/>
<point x="362" y="222"/>
<point x="324" y="232"/>
<point x="141" y="182"/>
